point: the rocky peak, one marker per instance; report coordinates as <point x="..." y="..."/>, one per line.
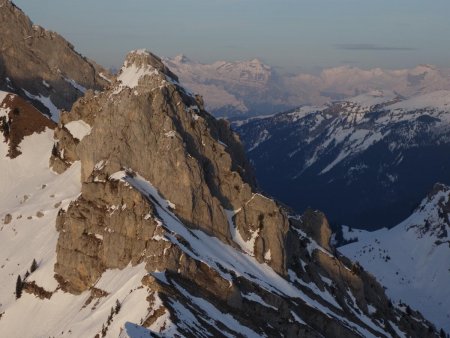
<point x="148" y="123"/>
<point x="315" y="225"/>
<point x="167" y="185"/>
<point x="181" y="58"/>
<point x="140" y="63"/>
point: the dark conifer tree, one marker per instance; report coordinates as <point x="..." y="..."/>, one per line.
<point x="118" y="306"/>
<point x="19" y="287"/>
<point x="34" y="266"/>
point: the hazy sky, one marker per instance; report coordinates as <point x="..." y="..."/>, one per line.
<point x="295" y="35"/>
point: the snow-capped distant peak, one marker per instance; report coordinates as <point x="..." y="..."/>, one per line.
<point x="374" y="98"/>
<point x="256" y="61"/>
<point x="181" y="58"/>
<point x="438" y="100"/>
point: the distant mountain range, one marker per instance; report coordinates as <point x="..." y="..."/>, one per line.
<point x="248" y="88"/>
<point x="366" y="161"/>
<point x="232" y="88"/>
<point x="412" y="259"/>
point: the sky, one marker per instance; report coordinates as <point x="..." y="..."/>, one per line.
<point x="292" y="35"/>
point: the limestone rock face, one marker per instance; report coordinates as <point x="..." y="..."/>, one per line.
<point x="40" y="65"/>
<point x="316" y="226"/>
<point x="147" y="122"/>
<point x="264" y="220"/>
<point x="108" y="227"/>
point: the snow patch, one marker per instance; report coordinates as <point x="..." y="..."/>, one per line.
<point x="75" y="85"/>
<point x="268" y="255"/>
<point x="103" y="76"/>
<point x="131" y="74"/>
<point x="257" y="299"/>
<point x="3" y="95"/>
<point x="47" y="102"/>
<point x="171" y="133"/>
<point x="246" y="246"/>
<point x="79" y="129"/>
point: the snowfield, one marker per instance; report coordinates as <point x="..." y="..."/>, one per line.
<point x="31" y="197"/>
<point x="412" y="259"/>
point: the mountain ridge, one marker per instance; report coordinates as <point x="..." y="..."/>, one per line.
<point x="228" y="94"/>
<point x="41" y="66"/>
<point x="375" y="149"/>
<point x="410" y="259"/>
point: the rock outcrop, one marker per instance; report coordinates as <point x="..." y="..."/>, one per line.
<point x="42" y="66"/>
<point x="19" y="119"/>
<point x="316" y="226"/>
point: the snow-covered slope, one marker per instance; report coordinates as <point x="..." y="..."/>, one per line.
<point x="412" y="259"/>
<point x="31" y="197"/>
<point x="249" y="88"/>
<point x="375" y="149"/>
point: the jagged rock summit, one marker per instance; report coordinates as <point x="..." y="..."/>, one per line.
<point x="42" y="66"/>
<point x="148" y="123"/>
<point x="166" y="191"/>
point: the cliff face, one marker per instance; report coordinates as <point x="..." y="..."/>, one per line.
<point x="146" y="122"/>
<point x="41" y="65"/>
<point x="166" y="185"/>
